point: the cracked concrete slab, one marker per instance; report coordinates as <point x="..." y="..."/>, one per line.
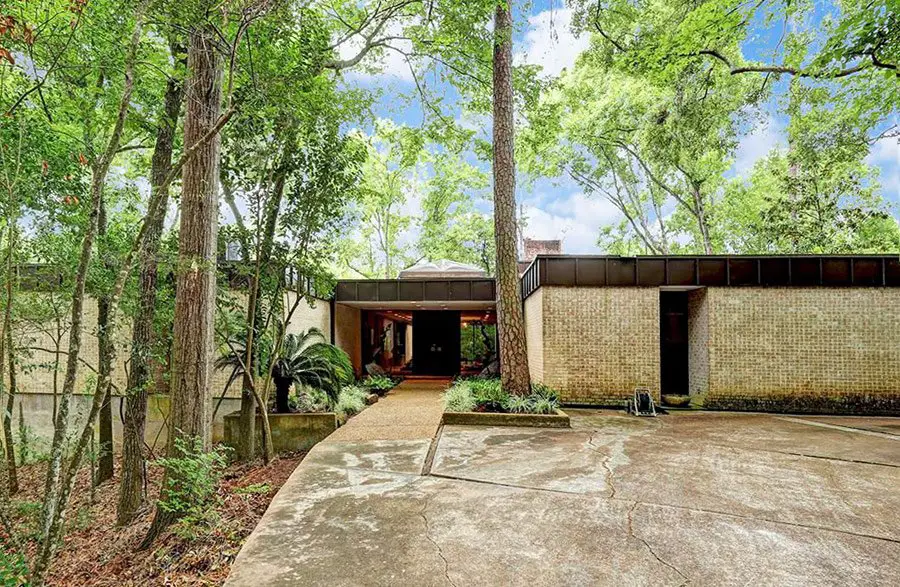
<point x="699" y="498"/>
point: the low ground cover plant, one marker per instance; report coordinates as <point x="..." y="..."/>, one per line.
<point x="379" y="383"/>
<point x="488" y="395"/>
<point x="351" y="400"/>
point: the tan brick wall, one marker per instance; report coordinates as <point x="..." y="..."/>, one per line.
<point x="600" y="343"/>
<point x="805" y="349"/>
<point x="534" y="334"/>
<point x="35" y="374"/>
<point x="698" y="342"/>
<point x="348" y="333"/>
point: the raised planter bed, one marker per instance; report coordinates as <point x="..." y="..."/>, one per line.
<point x="290" y="432"/>
<point x="558" y="420"/>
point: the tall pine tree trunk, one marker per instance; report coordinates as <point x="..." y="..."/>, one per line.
<point x="133" y="475"/>
<point x="192" y="345"/>
<point x="510" y="318"/>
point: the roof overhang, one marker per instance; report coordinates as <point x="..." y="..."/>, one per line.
<point x="412" y="294"/>
<point x="677" y="271"/>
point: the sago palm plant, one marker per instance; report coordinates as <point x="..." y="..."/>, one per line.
<point x="305" y="359"/>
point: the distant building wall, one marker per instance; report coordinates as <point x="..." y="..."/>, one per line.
<point x="534" y="334"/>
<point x="348" y="333"/>
<point x="804" y="349"/>
<point x="36" y="368"/>
<point x="600" y="342"/>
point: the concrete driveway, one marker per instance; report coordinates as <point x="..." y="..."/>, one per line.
<point x="699" y="498"/>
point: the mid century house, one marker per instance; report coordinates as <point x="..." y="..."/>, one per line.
<point x="769" y="333"/>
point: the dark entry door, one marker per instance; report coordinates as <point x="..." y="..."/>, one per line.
<point x="673" y="337"/>
<point x="436" y="342"/>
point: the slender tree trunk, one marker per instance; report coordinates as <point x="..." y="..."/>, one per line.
<point x="58" y="488"/>
<point x="133" y="481"/>
<point x="192" y="347"/>
<point x="6" y="348"/>
<point x="247" y="422"/>
<point x="10" y="406"/>
<point x="510" y="318"/>
<point x="106" y="462"/>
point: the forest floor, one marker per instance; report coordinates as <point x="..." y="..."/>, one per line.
<point x="97" y="553"/>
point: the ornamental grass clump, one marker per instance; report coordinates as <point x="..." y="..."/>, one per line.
<point x="487" y="395"/>
<point x="459" y="398"/>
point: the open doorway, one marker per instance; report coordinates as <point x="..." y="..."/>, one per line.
<point x="429" y="342"/>
<point x="673" y="343"/>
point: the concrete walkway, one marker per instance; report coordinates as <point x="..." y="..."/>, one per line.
<point x="690" y="498"/>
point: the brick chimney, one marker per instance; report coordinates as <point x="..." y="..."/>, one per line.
<point x="534" y="247"/>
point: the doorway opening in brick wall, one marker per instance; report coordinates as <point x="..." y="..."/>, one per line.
<point x="683" y="341"/>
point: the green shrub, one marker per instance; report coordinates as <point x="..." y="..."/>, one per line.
<point x="459" y="398"/>
<point x="351" y="400"/>
<point x="518" y="404"/>
<point x="543" y="406"/>
<point x="487" y="395"/>
<point x="309" y="400"/>
<point x="541" y="391"/>
<point x="380" y="383"/>
<point x="192" y="486"/>
<point x="13" y="567"/>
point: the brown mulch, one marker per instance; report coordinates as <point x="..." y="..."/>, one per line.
<point x="97" y="553"/>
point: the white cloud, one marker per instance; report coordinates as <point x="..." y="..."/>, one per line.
<point x="550" y="43"/>
<point x="576" y="219"/>
<point x="381" y="62"/>
<point x="885" y="155"/>
<point x="757" y="145"/>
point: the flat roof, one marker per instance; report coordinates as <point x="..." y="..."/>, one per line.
<point x="687" y="271"/>
<point x="437" y="293"/>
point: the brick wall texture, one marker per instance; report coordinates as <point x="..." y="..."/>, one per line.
<point x="600" y="343"/>
<point x="36" y="368"/>
<point x="815" y="350"/>
<point x="534" y="334"/>
<point x="821" y="349"/>
<point x="698" y="342"/>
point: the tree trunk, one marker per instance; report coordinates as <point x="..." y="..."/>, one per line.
<point x="247" y="421"/>
<point x="510" y="318"/>
<point x="106" y="464"/>
<point x="192" y="346"/>
<point x="6" y="348"/>
<point x="134" y="479"/>
<point x="58" y="489"/>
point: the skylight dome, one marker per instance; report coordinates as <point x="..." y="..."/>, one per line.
<point x="441" y="269"/>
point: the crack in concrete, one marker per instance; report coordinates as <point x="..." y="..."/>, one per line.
<point x="508" y="485"/>
<point x="630" y="517"/>
<point x="804" y="455"/>
<point x="430" y="539"/>
<point x="608" y="478"/>
<point x="767" y="520"/>
<point x="677" y="507"/>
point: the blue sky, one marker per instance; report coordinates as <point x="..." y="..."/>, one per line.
<point x="557" y="207"/>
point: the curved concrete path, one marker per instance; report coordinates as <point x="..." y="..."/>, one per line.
<point x="690" y="498"/>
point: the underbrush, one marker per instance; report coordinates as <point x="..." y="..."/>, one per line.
<point x="197" y="550"/>
<point x="351" y="400"/>
<point x="487" y="395"/>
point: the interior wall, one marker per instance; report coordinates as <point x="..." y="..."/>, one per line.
<point x="348" y="333"/>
